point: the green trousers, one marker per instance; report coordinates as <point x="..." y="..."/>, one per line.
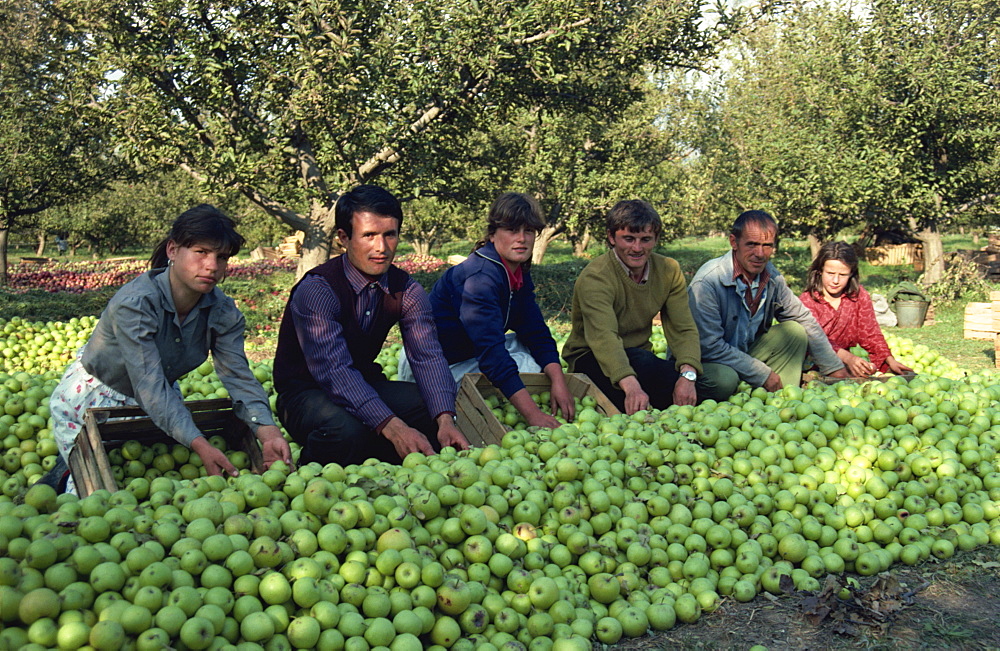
<point x="783" y="348"/>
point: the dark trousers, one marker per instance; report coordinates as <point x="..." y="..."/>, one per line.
<point x="328" y="432"/>
<point x="657" y="377"/>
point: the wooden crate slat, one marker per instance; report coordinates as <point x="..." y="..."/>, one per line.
<point x="477" y="421"/>
<point x="112" y="427"/>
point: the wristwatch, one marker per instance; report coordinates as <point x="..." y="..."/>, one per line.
<point x="690" y="376"/>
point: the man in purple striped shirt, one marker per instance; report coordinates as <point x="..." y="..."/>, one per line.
<point x="333" y="398"/>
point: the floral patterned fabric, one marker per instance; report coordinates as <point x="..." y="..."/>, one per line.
<point x="77" y="392"/>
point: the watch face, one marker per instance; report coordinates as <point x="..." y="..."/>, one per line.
<point x="689" y="375"/>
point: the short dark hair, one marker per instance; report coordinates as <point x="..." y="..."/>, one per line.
<point x="513" y="210"/>
<point x="758" y="217"/>
<point x="841" y="252"/>
<point x="633" y="215"/>
<point x="203" y="224"/>
<point x="366" y="198"/>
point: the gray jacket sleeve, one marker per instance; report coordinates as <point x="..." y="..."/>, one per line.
<point x="788" y="307"/>
<point x="710" y="310"/>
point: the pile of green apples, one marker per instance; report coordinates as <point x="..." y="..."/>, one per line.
<point x="921" y="358"/>
<point x="604" y="528"/>
<point x="37" y="347"/>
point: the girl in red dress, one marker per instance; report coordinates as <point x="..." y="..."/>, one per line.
<point x="844" y="310"/>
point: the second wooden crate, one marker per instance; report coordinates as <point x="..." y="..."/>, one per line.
<point x="477" y="421"/>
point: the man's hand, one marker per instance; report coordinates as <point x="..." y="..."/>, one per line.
<point x="406" y="439"/>
<point x="273" y="446"/>
<point x="635" y="398"/>
<point x="562" y="399"/>
<point x="840" y="373"/>
<point x="685" y="392"/>
<point x="772" y="383"/>
<point x="896" y="367"/>
<point x="856" y="366"/>
<point x="215" y="462"/>
<point x="449" y="435"/>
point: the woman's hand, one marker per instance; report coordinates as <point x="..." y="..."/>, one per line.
<point x="562" y="398"/>
<point x="856" y="366"/>
<point x="215" y="462"/>
<point x="274" y="446"/>
<point x="896" y="367"/>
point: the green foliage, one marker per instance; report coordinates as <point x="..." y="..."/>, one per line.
<point x="889" y="118"/>
<point x="963" y="280"/>
<point x="290" y="103"/>
<point x="54" y="144"/>
<point x="48" y="306"/>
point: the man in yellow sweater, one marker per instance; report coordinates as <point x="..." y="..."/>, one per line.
<point x="614" y="301"/>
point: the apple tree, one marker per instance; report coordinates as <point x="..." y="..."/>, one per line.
<point x="54" y="144"/>
<point x="888" y="118"/>
<point x="292" y="103"/>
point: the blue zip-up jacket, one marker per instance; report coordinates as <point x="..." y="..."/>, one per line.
<point x="474" y="308"/>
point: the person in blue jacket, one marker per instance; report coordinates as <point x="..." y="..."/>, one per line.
<point x="477" y="302"/>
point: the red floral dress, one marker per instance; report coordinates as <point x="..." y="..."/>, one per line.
<point x="852" y="324"/>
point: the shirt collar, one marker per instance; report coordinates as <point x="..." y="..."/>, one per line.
<point x="515" y="276"/>
<point x="359" y="282"/>
<point x="628" y="272"/>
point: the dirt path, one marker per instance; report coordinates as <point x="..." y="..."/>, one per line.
<point x="934" y="605"/>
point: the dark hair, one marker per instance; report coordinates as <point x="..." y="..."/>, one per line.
<point x="203" y="224"/>
<point x="633" y="215"/>
<point x="758" y="217"/>
<point x="512" y="210"/>
<point x="841" y="252"/>
<point x="366" y="198"/>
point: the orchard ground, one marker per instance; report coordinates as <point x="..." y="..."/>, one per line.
<point x="933" y="605"/>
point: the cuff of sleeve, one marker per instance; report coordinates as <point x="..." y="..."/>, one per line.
<point x="620" y="374"/>
<point x="187" y="437"/>
<point x="378" y="428"/>
<point x="510" y="386"/>
<point x="690" y="362"/>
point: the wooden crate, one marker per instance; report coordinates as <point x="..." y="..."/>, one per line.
<point x="111" y="427"/>
<point x="896" y="254"/>
<point x="979" y="321"/>
<point x="995" y="302"/>
<point x="477" y="421"/>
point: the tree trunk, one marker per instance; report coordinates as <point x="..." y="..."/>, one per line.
<point x="318" y="244"/>
<point x="814" y="245"/>
<point x="40" y="251"/>
<point x="580" y="244"/>
<point x="3" y="256"/>
<point x="975" y="238"/>
<point x="542" y="241"/>
<point x="421" y="246"/>
<point x="933" y="250"/>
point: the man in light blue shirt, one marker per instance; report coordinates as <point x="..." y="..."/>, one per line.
<point x="736" y="299"/>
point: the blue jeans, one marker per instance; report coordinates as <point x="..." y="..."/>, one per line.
<point x="328" y="432"/>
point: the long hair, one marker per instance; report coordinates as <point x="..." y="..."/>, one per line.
<point x="512" y="210"/>
<point x="841" y="252"/>
<point x="203" y="224"/>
